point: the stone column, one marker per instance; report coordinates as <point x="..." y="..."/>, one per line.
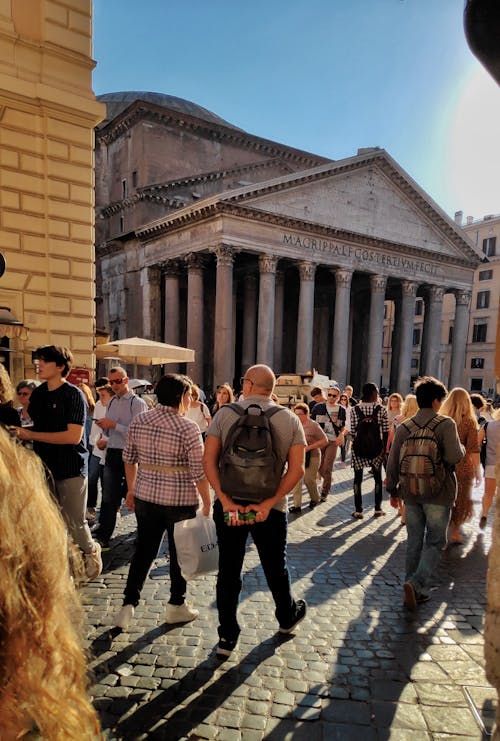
<point x="195" y="264"/>
<point x="459" y="341"/>
<point x="340" y="347"/>
<point x="395" y="344"/>
<point x="303" y="356"/>
<point x="171" y="271"/>
<point x="431" y="340"/>
<point x="279" y="292"/>
<point x="249" y="322"/>
<point x="265" y="331"/>
<point x="376" y="332"/>
<point x="223" y="334"/>
<point x="409" y="292"/>
<point x="151" y="302"/>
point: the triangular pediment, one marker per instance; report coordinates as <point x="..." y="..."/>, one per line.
<point x="370" y="196"/>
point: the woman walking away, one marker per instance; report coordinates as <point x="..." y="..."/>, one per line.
<point x="165" y="480"/>
<point x="489" y="435"/>
<point x="44" y="674"/>
<point x="408" y="409"/>
<point x="458" y="406"/>
<point x="315" y="439"/>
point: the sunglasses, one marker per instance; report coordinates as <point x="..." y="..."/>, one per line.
<point x="115" y="382"/>
<point x="332" y="396"/>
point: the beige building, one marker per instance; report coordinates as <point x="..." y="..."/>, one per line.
<point x="47" y="117"/>
<point x="251" y="251"/>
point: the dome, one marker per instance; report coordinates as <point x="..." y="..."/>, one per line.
<point x="117" y="102"/>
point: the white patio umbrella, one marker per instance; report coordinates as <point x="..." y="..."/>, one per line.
<point x="139" y="351"/>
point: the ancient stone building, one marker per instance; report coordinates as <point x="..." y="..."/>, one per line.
<point x="251" y="251"/>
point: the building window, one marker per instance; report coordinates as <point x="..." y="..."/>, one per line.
<point x="450" y="334"/>
<point x="479" y="332"/>
<point x="124" y="188"/>
<point x="416" y="335"/>
<point x="477" y="363"/>
<point x="134" y="179"/>
<point x="419" y="307"/>
<point x="414" y="362"/>
<point x="122" y="224"/>
<point x="490" y="246"/>
<point x="485" y="274"/>
<point x="483" y="300"/>
<point x="476" y="384"/>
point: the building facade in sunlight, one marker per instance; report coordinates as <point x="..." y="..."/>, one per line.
<point x="47" y="117"/>
<point x="251" y="251"/>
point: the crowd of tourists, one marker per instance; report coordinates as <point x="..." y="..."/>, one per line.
<point x="245" y="463"/>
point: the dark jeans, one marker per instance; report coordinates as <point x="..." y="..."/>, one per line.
<point x="96" y="472"/>
<point x="270" y="537"/>
<point x="358" y="478"/>
<point x="114" y="489"/>
<point x="152" y="521"/>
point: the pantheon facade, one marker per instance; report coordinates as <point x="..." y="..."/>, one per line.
<point x="247" y="250"/>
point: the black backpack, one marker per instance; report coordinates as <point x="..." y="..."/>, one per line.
<point x="367" y="443"/>
<point x="249" y="466"/>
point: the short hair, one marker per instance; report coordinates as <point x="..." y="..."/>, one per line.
<point x="106" y="387"/>
<point x="171" y="388"/>
<point x="369" y="392"/>
<point x="118" y="369"/>
<point x="478" y="401"/>
<point x="103" y="381"/>
<point x="303" y="406"/>
<point x="61" y="356"/>
<point x="27" y="383"/>
<point x="316" y="390"/>
<point x="429" y="389"/>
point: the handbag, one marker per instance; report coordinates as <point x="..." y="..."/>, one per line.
<point x="196" y="545"/>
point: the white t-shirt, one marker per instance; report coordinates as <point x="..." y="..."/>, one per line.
<point x="96" y="433"/>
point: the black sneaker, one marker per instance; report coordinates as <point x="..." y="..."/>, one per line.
<point x="300" y="613"/>
<point x="312" y="504"/>
<point x="225" y="648"/>
<point x="323" y="498"/>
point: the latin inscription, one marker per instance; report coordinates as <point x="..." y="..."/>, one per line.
<point x="362" y="254"/>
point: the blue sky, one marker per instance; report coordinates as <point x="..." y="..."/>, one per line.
<point x="327" y="76"/>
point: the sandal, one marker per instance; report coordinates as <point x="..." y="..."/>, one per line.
<point x="482" y="522"/>
<point x="357" y="515"/>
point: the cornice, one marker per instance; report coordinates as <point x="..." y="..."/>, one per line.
<point x="231" y="208"/>
<point x="148" y="111"/>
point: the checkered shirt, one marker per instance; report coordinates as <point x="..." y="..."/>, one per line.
<point x="358" y="411"/>
<point x="161" y="437"/>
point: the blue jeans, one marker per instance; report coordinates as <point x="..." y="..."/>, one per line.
<point x="114" y="489"/>
<point x="95" y="475"/>
<point x="270" y="537"/>
<point x="152" y="521"/>
<point x="427" y="526"/>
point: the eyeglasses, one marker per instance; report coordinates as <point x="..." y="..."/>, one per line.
<point x="300" y="414"/>
<point x="115" y="381"/>
<point x="244" y="378"/>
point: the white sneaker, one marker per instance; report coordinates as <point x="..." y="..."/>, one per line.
<point x="124" y="617"/>
<point x="93" y="561"/>
<point x="180" y="613"/>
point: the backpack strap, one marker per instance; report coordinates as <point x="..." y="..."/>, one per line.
<point x="235" y="408"/>
<point x="272" y="411"/>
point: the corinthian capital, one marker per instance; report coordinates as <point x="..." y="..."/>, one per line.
<point x="172" y="268"/>
<point x="436" y="294"/>
<point x="343" y="278"/>
<point x="224" y="255"/>
<point x="378" y="283"/>
<point x="267" y="263"/>
<point x="195" y="261"/>
<point x="409" y="288"/>
<point x="306" y="270"/>
<point x="150" y="275"/>
<point x="462" y="298"/>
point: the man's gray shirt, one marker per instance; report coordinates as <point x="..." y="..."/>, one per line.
<point x="122" y="410"/>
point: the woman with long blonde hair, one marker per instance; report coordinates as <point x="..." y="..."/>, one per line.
<point x="409" y="407"/>
<point x="43" y="682"/>
<point x="458" y="406"/>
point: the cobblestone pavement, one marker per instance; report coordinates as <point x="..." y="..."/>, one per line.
<point x="358" y="667"/>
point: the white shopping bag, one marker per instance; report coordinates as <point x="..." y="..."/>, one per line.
<point x="196" y="546"/>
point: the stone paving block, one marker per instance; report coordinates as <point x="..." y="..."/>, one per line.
<point x="292" y="730"/>
<point x="347" y="711"/>
<point x="334" y="732"/>
<point x="229" y="734"/>
<point x="390" y="714"/>
<point x="465" y="672"/>
<point x="441" y="720"/>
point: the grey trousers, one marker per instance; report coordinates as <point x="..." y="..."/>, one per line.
<point x="72" y="497"/>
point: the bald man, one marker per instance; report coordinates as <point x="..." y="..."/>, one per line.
<point x="269" y="528"/>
